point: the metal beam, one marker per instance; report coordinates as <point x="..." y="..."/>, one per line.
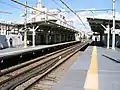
<point x="103" y="26"/>
<point x="33" y="37"/>
<point x="36" y="28"/>
<point x="113" y="31"/>
<point x="25" y="22"/>
<point x="108" y="37"/>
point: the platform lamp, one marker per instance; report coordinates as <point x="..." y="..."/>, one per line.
<point x="113" y="31"/>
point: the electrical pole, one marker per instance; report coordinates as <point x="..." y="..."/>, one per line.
<point x="108" y="37"/>
<point x="33" y="38"/>
<point x="113" y="31"/>
<point x="25" y="22"/>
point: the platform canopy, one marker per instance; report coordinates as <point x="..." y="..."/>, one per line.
<point x="47" y="25"/>
<point x="95" y="24"/>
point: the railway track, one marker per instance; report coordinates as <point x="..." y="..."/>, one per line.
<point x="25" y="75"/>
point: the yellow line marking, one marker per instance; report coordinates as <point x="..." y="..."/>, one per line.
<point x="91" y="82"/>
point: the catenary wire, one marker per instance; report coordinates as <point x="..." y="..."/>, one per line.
<point x="73" y="12"/>
<point x="9" y="5"/>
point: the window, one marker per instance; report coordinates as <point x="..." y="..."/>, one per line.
<point x="60" y="22"/>
<point x="42" y="19"/>
<point x="43" y="12"/>
<point x="55" y="14"/>
<point x="60" y="16"/>
<point x="63" y="17"/>
<point x="33" y="19"/>
<point x="23" y="38"/>
<point x="33" y="12"/>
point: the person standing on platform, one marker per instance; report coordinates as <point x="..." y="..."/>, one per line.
<point x="95" y="40"/>
<point x="11" y="41"/>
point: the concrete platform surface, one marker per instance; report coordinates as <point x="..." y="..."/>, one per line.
<point x="92" y="71"/>
<point x="21" y="49"/>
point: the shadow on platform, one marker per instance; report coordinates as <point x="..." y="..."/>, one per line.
<point x="98" y="43"/>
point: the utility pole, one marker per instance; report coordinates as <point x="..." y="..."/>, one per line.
<point x="113" y="31"/>
<point x="33" y="38"/>
<point x="25" y="22"/>
<point x="108" y="37"/>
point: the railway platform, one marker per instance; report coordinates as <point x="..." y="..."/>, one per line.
<point x="13" y="56"/>
<point x="19" y="50"/>
<point x="97" y="68"/>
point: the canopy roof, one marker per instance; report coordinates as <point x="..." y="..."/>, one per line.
<point x="95" y="24"/>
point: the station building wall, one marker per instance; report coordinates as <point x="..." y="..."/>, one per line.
<point x="4" y="41"/>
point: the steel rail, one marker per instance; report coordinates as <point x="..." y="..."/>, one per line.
<point x="55" y="66"/>
<point x="33" y="69"/>
<point x="6" y="71"/>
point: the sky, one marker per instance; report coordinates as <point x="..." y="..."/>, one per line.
<point x="17" y="10"/>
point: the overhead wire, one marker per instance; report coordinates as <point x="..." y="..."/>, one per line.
<point x="39" y="11"/>
<point x="9" y="5"/>
<point x="89" y="10"/>
<point x="94" y="10"/>
<point x="63" y="8"/>
<point x="73" y="12"/>
<point x="2" y="2"/>
<point x="57" y="4"/>
<point x="5" y="12"/>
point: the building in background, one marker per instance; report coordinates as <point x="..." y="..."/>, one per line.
<point x="16" y="30"/>
<point x="36" y="15"/>
<point x="54" y="15"/>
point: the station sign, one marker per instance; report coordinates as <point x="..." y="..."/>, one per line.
<point x="117" y="31"/>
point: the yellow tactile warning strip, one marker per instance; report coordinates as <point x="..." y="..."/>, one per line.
<point x="91" y="82"/>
